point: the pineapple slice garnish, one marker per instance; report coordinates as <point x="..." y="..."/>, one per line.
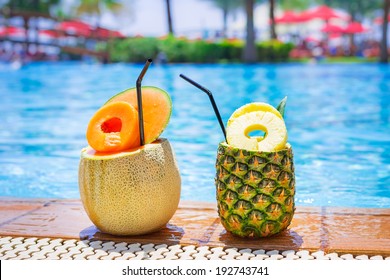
<point x="253" y="107"/>
<point x="253" y="117"/>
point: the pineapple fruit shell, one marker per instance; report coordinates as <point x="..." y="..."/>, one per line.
<point x="255" y="190"/>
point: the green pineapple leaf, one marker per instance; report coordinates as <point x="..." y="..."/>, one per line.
<point x="282" y="106"/>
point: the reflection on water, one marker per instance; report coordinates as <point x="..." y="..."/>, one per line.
<point x="337" y="118"/>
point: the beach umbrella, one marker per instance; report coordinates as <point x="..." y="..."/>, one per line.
<point x="331" y="28"/>
<point x="49" y="33"/>
<point x="354" y="27"/>
<point x="379" y="20"/>
<point x="76" y="27"/>
<point x="311" y="39"/>
<point x="323" y="12"/>
<point x="107" y="33"/>
<point x="12" y="31"/>
<point x="351" y="29"/>
<point x="117" y="34"/>
<point x="288" y="17"/>
<point x="335" y="35"/>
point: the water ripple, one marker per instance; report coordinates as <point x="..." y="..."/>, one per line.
<point x="338" y="118"/>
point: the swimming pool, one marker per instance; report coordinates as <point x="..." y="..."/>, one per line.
<point x="337" y="117"/>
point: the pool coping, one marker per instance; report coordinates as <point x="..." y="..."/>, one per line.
<point x="356" y="231"/>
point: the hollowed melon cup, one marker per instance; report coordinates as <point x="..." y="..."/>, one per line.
<point x="132" y="192"/>
<point x="255" y="190"/>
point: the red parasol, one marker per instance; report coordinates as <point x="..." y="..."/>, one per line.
<point x="107" y="33"/>
<point x="305" y="16"/>
<point x="117" y="34"/>
<point x="288" y="17"/>
<point x="355" y="27"/>
<point x="12" y="31"/>
<point x="379" y="20"/>
<point x="334" y="35"/>
<point x="331" y="28"/>
<point x="50" y="33"/>
<point x="323" y="12"/>
<point x="75" y="27"/>
<point x="311" y="39"/>
<point x="84" y="29"/>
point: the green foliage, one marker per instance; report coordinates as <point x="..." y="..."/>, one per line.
<point x="295" y="4"/>
<point x="229" y="5"/>
<point x="94" y="7"/>
<point x="133" y="50"/>
<point x="42" y="6"/>
<point x="231" y="50"/>
<point x="273" y="51"/>
<point x="201" y="51"/>
<point x="179" y="50"/>
<point x="176" y="50"/>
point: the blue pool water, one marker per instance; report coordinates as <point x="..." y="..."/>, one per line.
<point x="337" y="118"/>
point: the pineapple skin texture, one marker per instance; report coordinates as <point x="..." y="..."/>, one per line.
<point x="255" y="190"/>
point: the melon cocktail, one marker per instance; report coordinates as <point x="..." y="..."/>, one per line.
<point x="255" y="182"/>
<point x="128" y="177"/>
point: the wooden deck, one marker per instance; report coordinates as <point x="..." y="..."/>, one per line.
<point x="342" y="230"/>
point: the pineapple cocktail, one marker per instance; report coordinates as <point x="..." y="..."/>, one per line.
<point x="255" y="175"/>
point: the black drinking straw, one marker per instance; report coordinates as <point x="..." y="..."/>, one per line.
<point x="208" y="92"/>
<point x="139" y="101"/>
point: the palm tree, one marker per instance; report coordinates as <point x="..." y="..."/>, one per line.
<point x="384" y="55"/>
<point x="169" y="16"/>
<point x="94" y="7"/>
<point x="227" y="7"/>
<point x="272" y="19"/>
<point x="250" y="54"/>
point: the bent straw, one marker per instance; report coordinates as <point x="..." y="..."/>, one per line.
<point x="139" y="101"/>
<point x="208" y="92"/>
